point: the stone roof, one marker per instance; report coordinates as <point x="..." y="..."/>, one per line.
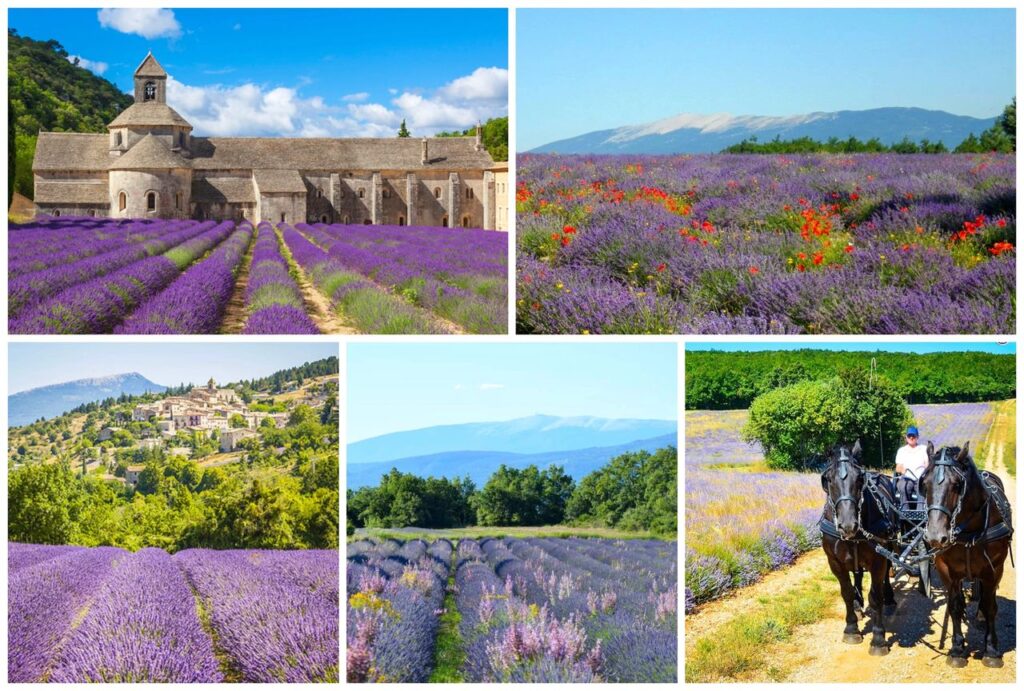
<point x="149" y="67"/>
<point x="149" y="114"/>
<point x="148" y="154"/>
<point x="394" y="153"/>
<point x="219" y="190"/>
<point x="73" y="192"/>
<point x="270" y="180"/>
<point x="71" y="151"/>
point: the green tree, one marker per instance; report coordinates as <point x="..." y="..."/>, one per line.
<point x="237" y="421"/>
<point x="44" y="502"/>
<point x="403" y="131"/>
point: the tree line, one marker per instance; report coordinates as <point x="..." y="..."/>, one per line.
<point x="633" y="491"/>
<point x="717" y="380"/>
<point x="495" y="137"/>
<point x="1001" y="137"/>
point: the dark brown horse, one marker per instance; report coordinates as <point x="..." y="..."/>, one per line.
<point x="852" y="521"/>
<point x="969" y="525"/>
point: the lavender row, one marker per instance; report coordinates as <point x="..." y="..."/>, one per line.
<point x="141" y="627"/>
<point x="273" y="625"/>
<point x="379" y="311"/>
<point x="35" y="286"/>
<point x="98" y="305"/>
<point x="42" y="244"/>
<point x="393" y="611"/>
<point x="195" y="302"/>
<point x="460" y="274"/>
<point x="42" y="603"/>
<point x="20" y="556"/>
<point x="272" y="298"/>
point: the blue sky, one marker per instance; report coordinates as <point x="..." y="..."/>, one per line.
<point x="393" y="387"/>
<point x="585" y="70"/>
<point x="887" y="346"/>
<point x="329" y="72"/>
<point x="31" y="365"/>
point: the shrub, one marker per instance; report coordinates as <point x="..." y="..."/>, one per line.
<point x="798" y="423"/>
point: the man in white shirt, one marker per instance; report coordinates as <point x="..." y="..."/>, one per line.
<point x="911" y="462"/>
<point x="912" y="459"/>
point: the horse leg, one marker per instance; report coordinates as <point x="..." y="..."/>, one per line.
<point x="992" y="656"/>
<point x="890" y="596"/>
<point x="956" y="605"/>
<point x="879" y="567"/>
<point x="858" y="579"/>
<point x="851" y="634"/>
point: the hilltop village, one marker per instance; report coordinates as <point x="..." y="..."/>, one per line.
<point x="212" y="425"/>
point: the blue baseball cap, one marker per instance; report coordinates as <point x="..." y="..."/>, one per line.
<point x="912" y="432"/>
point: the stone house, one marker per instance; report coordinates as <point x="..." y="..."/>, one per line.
<point x="131" y="474"/>
<point x="230" y="439"/>
<point x="149" y="165"/>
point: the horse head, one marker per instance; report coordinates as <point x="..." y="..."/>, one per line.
<point x="945" y="485"/>
<point x="843" y="482"/>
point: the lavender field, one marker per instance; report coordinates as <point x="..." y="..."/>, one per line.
<point x="102" y="614"/>
<point x="512" y="610"/>
<point x="743" y="520"/>
<point x="89" y="275"/>
<point x="753" y="244"/>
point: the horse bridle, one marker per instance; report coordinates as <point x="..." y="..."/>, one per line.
<point x="940" y="477"/>
<point x="843" y="469"/>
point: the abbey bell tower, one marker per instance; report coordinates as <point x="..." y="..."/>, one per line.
<point x="150" y="82"/>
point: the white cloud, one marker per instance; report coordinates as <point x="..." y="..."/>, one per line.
<point x="91" y="65"/>
<point x="491" y="387"/>
<point x="265" y="110"/>
<point x="458" y="387"/>
<point x="237" y="27"/>
<point x="148" y="22"/>
<point x="485" y="84"/>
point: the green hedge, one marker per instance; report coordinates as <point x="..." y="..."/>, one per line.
<point x="718" y="380"/>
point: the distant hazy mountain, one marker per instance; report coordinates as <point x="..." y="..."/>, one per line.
<point x="528" y="435"/>
<point x="51" y="401"/>
<point x="480" y="465"/>
<point x="694" y="133"/>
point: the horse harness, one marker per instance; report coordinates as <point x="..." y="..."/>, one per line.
<point x="993" y="496"/>
<point x="829" y="528"/>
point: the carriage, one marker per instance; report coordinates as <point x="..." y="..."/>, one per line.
<point x="956" y="514"/>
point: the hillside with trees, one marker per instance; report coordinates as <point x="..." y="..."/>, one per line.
<point x="717" y="380"/>
<point x="68" y="476"/>
<point x="48" y="92"/>
<point x="495" y="137"/>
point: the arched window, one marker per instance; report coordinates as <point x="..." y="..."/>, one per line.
<point x="323" y="219"/>
<point x="465" y="221"/>
<point x="151" y="201"/>
<point x="56" y="212"/>
<point x="348" y="219"/>
<point x="319" y="192"/>
<point x="401" y="220"/>
<point x="444" y="221"/>
<point x="92" y="212"/>
<point x="437" y="193"/>
<point x="149" y="91"/>
<point x="122" y="201"/>
<point x="362" y="193"/>
<point x="117" y="139"/>
<point x="177" y="200"/>
<point x="469" y="193"/>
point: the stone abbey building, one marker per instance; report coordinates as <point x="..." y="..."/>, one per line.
<point x="149" y="165"/>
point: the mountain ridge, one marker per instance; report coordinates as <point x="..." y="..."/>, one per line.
<point x="711" y="133"/>
<point x="526" y="435"/>
<point x="52" y="400"/>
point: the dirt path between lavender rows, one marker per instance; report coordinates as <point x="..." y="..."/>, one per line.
<point x="234" y="314"/>
<point x="816" y="653"/>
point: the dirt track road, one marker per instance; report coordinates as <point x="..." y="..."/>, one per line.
<point x="816" y="653"/>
